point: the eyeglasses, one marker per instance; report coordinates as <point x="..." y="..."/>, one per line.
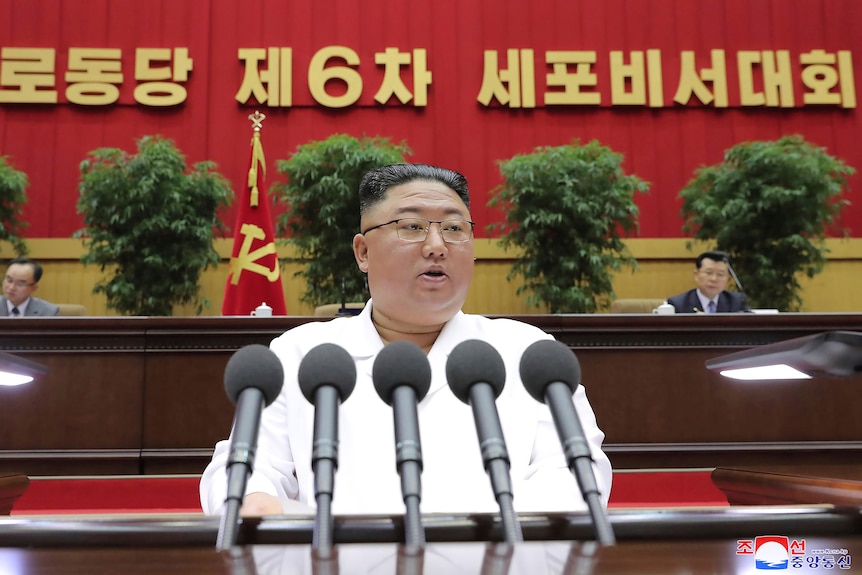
<point x="416" y="229"/>
<point x="17" y="283"/>
<point x="710" y="274"/>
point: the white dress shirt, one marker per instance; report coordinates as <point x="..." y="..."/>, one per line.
<point x="22" y="307"/>
<point x="704" y="302"/>
<point x="453" y="477"/>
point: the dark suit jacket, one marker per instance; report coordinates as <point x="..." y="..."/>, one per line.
<point x="36" y="307"/>
<point x="728" y="302"/>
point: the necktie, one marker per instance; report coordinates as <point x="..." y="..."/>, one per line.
<point x="15" y="311"/>
<point x="711" y="307"/>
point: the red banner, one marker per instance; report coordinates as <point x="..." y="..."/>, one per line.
<point x="254" y="278"/>
<point x="669" y="85"/>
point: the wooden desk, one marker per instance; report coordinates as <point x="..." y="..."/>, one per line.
<point x="836" y="485"/>
<point x="660" y="542"/>
<point x="667" y="524"/>
<point x="653" y="558"/>
<point x="146" y="395"/>
<point x="12" y="486"/>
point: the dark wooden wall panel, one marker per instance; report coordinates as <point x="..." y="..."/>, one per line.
<point x="662" y="396"/>
<point x="88" y="401"/>
<point x="187" y="394"/>
<point x="146" y="395"/>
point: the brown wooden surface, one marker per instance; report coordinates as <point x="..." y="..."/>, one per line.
<point x="637" y="524"/>
<point x="12" y="486"/>
<point x="658" y="558"/>
<point x="660" y="542"/>
<point x="145" y="395"/>
<point x="836" y="485"/>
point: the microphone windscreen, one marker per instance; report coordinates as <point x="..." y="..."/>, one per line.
<point x="327" y="364"/>
<point x="254" y="366"/>
<point x="547" y="361"/>
<point x="474" y="361"/>
<point x="401" y="363"/>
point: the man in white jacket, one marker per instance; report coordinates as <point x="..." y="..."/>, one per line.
<point x="416" y="245"/>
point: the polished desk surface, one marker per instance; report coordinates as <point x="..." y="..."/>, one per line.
<point x="531" y="558"/>
<point x="12" y="486"/>
<point x="790" y="484"/>
<point x="667" y="541"/>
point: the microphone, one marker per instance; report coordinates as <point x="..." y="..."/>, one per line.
<point x="327" y="376"/>
<point x="551" y="374"/>
<point x="252" y="378"/>
<point x="726" y="259"/>
<point x="402" y="377"/>
<point x="745" y="305"/>
<point x="476" y="375"/>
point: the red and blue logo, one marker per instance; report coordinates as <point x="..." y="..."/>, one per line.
<point x="771" y="552"/>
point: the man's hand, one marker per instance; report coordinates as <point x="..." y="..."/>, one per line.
<point x="258" y="504"/>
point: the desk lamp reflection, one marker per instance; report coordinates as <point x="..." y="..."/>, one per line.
<point x="835" y="353"/>
<point x="17" y="370"/>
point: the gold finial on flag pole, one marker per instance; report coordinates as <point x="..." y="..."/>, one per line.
<point x="257" y="120"/>
<point x="256" y="156"/>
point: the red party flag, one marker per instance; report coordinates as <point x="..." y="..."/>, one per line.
<point x="254" y="277"/>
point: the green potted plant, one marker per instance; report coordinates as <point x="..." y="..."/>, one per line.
<point x="151" y="222"/>
<point x="769" y="205"/>
<point x="320" y="195"/>
<point x="567" y="209"/>
<point x="13" y="196"/>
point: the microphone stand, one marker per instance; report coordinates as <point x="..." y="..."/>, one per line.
<point x="497" y="559"/>
<point x="239" y="561"/>
<point x="240" y="463"/>
<point x="324" y="456"/>
<point x="733" y="275"/>
<point x="342" y="311"/>
<point x="325" y="563"/>
<point x="414" y="533"/>
<point x="409" y="460"/>
<point x="726" y="259"/>
<point x="410" y="560"/>
<point x="581" y="559"/>
<point x="228" y="526"/>
<point x="580" y="461"/>
<point x="494" y="453"/>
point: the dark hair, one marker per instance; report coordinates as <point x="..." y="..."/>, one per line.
<point x="715" y="256"/>
<point x="37" y="267"/>
<point x="375" y="183"/>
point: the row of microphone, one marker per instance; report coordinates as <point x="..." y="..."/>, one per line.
<point x="401" y="374"/>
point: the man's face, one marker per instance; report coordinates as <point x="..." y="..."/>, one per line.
<point x="711" y="278"/>
<point x="421" y="283"/>
<point x="18" y="283"/>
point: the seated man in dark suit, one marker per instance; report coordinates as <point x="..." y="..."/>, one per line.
<point x="22" y="279"/>
<point x="711" y="274"/>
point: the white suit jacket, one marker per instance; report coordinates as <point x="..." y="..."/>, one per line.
<point x="453" y="478"/>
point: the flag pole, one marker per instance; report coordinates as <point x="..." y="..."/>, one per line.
<point x="254" y="278"/>
<point x="257" y="157"/>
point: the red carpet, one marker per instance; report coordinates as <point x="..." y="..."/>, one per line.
<point x="179" y="494"/>
<point x="113" y="494"/>
<point x="665" y="489"/>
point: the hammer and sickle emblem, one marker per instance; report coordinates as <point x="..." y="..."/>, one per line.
<point x="247" y="260"/>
